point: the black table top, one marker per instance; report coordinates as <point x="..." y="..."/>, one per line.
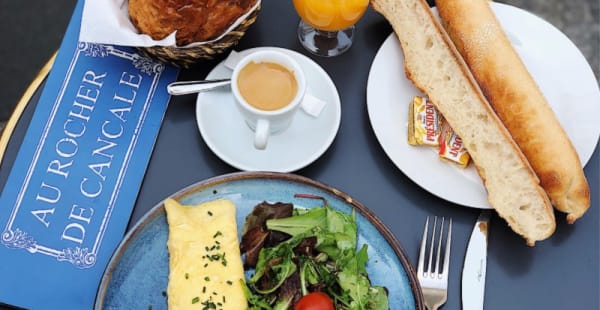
<point x="559" y="273"/>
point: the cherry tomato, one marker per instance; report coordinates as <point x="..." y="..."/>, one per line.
<point x="314" y="301"/>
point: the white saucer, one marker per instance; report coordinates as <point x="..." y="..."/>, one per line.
<point x="307" y="138"/>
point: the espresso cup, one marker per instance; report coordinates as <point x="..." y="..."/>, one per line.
<point x="268" y="88"/>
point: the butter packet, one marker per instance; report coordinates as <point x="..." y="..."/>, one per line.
<point x="452" y="148"/>
<point x="424" y="123"/>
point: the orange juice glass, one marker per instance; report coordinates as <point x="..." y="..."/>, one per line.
<point x="327" y="26"/>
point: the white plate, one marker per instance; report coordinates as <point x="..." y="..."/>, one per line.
<point x="307" y="138"/>
<point x="556" y="64"/>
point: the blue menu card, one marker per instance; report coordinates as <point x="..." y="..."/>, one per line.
<point x="70" y="193"/>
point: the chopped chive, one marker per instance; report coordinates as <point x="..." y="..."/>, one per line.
<point x="206" y="279"/>
<point x="187" y="276"/>
<point x="203" y="289"/>
<point x="210" y="213"/>
<point x="195" y="299"/>
<point x="218" y="233"/>
<point x="229" y="282"/>
<point x="209" y="305"/>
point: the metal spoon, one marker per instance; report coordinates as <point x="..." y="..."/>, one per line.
<point x="192" y="87"/>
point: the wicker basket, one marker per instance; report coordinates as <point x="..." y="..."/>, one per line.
<point x="186" y="57"/>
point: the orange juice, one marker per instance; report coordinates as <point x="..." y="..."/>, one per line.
<point x="330" y="15"/>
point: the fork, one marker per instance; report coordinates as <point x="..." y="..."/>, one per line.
<point x="434" y="283"/>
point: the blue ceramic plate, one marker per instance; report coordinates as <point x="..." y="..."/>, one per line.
<point x="137" y="274"/>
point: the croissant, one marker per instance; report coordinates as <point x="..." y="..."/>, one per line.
<point x="194" y="20"/>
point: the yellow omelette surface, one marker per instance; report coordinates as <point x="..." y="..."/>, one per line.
<point x="205" y="266"/>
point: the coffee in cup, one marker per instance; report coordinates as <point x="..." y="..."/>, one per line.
<point x="268" y="87"/>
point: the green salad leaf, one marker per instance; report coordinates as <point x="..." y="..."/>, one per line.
<point x="278" y="262"/>
<point x="299" y="224"/>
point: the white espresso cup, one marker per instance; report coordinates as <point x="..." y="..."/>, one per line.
<point x="267" y="121"/>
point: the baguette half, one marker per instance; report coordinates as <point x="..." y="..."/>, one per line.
<point x="434" y="65"/>
<point x="518" y="101"/>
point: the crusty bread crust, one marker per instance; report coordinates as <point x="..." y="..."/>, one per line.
<point x="518" y="101"/>
<point x="434" y="65"/>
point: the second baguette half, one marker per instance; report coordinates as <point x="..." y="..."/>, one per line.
<point x="518" y="101"/>
<point x="434" y="65"/>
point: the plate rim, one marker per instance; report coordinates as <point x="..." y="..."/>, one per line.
<point x="158" y="208"/>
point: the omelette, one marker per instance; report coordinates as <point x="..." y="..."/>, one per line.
<point x="205" y="266"/>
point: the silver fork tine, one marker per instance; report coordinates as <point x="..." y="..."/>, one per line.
<point x="447" y="250"/>
<point x="429" y="269"/>
<point x="422" y="251"/>
<point x="439" y="248"/>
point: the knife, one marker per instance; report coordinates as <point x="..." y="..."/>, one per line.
<point x="473" y="275"/>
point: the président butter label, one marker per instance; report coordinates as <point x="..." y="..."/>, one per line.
<point x="424" y="123"/>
